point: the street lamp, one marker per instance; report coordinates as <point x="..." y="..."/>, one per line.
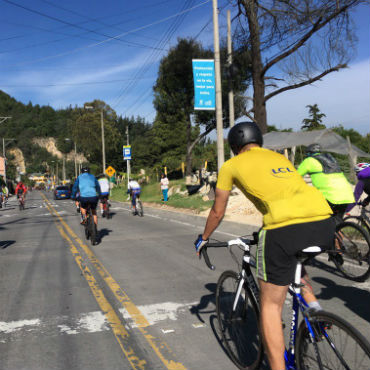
<point x="102" y="133"/>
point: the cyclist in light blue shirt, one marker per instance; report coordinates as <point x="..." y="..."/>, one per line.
<point x="88" y="187"/>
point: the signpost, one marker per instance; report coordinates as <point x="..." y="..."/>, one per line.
<point x="204" y="84"/>
<point x="127" y="157"/>
<point x="127" y="152"/>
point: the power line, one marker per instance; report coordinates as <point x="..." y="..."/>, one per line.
<point x="114" y="37"/>
<point x="166" y="37"/>
<point x="73" y="25"/>
<point x="74" y="84"/>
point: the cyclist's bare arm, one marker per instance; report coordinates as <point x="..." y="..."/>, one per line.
<point x="217" y="212"/>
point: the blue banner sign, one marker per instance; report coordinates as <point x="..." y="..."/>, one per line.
<point x="127" y="152"/>
<point x="204" y="84"/>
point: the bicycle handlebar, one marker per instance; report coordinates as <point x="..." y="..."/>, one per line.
<point x="204" y="252"/>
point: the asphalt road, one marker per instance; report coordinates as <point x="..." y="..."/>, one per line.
<point x="138" y="300"/>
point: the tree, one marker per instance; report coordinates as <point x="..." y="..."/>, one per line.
<point x="313" y="123"/>
<point x="174" y="101"/>
<point x="305" y="39"/>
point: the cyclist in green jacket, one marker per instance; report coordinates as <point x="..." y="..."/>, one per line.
<point x="327" y="176"/>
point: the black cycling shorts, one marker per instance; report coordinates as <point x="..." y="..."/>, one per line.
<point x="338" y="210"/>
<point x="92" y="201"/>
<point x="277" y="248"/>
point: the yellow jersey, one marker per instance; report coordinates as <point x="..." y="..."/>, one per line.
<point x="278" y="191"/>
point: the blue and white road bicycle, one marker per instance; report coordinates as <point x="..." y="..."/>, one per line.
<point x="322" y="340"/>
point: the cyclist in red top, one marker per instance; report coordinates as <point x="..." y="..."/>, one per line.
<point x="20" y="190"/>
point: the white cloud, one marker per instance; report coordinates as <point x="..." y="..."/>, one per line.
<point x="343" y="96"/>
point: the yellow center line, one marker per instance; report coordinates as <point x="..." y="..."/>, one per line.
<point x="160" y="347"/>
<point x="118" y="329"/>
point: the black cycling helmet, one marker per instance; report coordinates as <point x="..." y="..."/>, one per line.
<point x="313" y="148"/>
<point x="85" y="169"/>
<point x="244" y="133"/>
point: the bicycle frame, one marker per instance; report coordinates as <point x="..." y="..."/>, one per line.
<point x="299" y="303"/>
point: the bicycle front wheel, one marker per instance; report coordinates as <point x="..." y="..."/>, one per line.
<point x="239" y="326"/>
<point x="337" y="345"/>
<point x="354" y="245"/>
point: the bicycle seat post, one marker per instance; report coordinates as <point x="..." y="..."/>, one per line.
<point x="297" y="277"/>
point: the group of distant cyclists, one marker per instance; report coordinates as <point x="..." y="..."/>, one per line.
<point x="295" y="216"/>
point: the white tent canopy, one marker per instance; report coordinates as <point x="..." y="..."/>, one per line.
<point x="329" y="141"/>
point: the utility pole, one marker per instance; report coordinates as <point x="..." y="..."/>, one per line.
<point x="128" y="161"/>
<point x="102" y="138"/>
<point x="75" y="160"/>
<point x="57" y="178"/>
<point x="64" y="169"/>
<point x="3" y="119"/>
<point x="230" y="63"/>
<point x="219" y="123"/>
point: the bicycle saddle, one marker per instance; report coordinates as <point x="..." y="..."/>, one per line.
<point x="309" y="252"/>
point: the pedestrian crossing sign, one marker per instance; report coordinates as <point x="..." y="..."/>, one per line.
<point x="110" y="171"/>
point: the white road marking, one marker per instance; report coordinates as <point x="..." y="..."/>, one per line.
<point x="167" y="331"/>
<point x="91" y="322"/>
<point x="158" y="312"/>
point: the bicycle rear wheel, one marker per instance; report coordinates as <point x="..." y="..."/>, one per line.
<point x="339" y="346"/>
<point x="239" y="327"/>
<point x="92" y="230"/>
<point x="139" y="208"/>
<point x="354" y="243"/>
<point x="359" y="221"/>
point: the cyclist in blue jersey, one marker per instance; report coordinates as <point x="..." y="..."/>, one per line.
<point x="88" y="187"/>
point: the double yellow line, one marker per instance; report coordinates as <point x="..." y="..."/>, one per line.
<point x="160" y="347"/>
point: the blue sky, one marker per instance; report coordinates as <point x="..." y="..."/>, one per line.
<point x="65" y="53"/>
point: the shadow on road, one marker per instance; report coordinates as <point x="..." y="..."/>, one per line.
<point x="325" y="267"/>
<point x="6" y="243"/>
<point x="205" y="301"/>
<point x="103" y="232"/>
<point x="356" y="299"/>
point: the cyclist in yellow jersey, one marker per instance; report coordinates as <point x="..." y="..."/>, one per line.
<point x="295" y="216"/>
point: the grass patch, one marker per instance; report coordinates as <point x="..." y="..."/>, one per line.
<point x="152" y="193"/>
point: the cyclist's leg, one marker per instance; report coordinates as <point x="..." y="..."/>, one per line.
<point x="133" y="200"/>
<point x="83" y="206"/>
<point x="93" y="204"/>
<point x="272" y="301"/>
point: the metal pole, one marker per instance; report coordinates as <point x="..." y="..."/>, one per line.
<point x="219" y="123"/>
<point x="75" y="160"/>
<point x="128" y="161"/>
<point x="4" y="160"/>
<point x="64" y="169"/>
<point x="57" y="179"/>
<point x="3" y="119"/>
<point x="102" y="139"/>
<point x="229" y="63"/>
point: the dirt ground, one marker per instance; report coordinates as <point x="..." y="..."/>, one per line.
<point x="239" y="209"/>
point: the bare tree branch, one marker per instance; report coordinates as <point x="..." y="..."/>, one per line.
<point x="320" y="23"/>
<point x="200" y="137"/>
<point x="307" y="82"/>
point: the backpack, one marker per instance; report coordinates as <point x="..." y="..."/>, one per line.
<point x="328" y="162"/>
